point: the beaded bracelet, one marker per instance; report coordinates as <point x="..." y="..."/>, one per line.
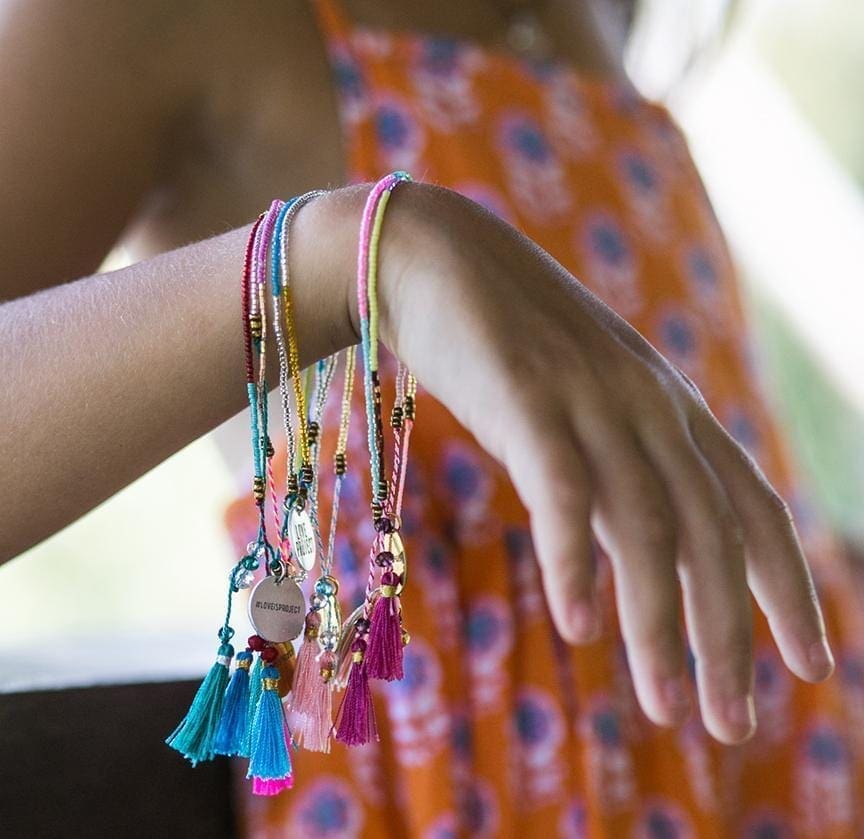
<point x="298" y="521"/>
<point x="279" y="615"/>
<point x="375" y="634"/>
<point x="205" y="730"/>
<point x="242" y="714"/>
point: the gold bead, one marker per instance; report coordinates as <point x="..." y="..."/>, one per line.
<point x="284" y="648"/>
<point x="255" y="324"/>
<point x="312" y="431"/>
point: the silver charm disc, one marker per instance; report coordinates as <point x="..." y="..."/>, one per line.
<point x="277" y="610"/>
<point x="302" y="539"/>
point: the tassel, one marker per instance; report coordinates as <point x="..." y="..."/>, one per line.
<point x="255" y="643"/>
<point x="384" y="656"/>
<point x="231" y="733"/>
<point x="261" y="787"/>
<point x="269" y="760"/>
<point x="356" y="724"/>
<point x="312" y="727"/>
<point x="273" y="786"/>
<point x="193" y="738"/>
<point x="306" y="673"/>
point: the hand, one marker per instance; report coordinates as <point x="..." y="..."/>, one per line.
<point x="598" y="431"/>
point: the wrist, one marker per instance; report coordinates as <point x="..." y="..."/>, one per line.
<point x="325" y="241"/>
<point x="323" y="265"/>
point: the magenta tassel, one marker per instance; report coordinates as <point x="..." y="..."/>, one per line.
<point x="312" y="727"/>
<point x="384" y="656"/>
<point x="271" y="787"/>
<point x="356" y="724"/>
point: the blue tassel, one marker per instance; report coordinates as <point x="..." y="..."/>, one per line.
<point x="231" y="733"/>
<point x="193" y="738"/>
<point x="254" y="696"/>
<point x="269" y="759"/>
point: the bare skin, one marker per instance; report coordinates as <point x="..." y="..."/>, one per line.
<point x="167" y="148"/>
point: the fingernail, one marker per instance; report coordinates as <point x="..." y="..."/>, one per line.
<point x="675" y="694"/>
<point x="820" y="656"/>
<point x="741" y="712"/>
<point x="584" y="623"/>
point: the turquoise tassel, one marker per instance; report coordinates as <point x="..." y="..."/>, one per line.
<point x="254" y="695"/>
<point x="193" y="738"/>
<point x="231" y="733"/>
<point x="269" y="759"/>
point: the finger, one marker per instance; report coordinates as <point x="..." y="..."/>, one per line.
<point x="553" y="483"/>
<point x="635" y="525"/>
<point x="711" y="568"/>
<point x="778" y="572"/>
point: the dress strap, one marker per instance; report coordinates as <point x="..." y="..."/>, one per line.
<point x="332" y="19"/>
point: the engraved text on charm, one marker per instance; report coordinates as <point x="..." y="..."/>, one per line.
<point x="277" y="609"/>
<point x="302" y="539"/>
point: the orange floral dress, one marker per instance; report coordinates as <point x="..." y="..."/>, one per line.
<point x="499" y="729"/>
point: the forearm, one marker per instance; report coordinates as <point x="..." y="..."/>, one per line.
<point x="106" y="376"/>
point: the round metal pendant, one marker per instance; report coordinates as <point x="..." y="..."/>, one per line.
<point x="302" y="539"/>
<point x="277" y="609"/>
<point x="393" y="543"/>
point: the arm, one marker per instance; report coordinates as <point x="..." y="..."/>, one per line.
<point x="120" y="370"/>
<point x="109" y="374"/>
<point x="106" y="376"/>
<point x="86" y="118"/>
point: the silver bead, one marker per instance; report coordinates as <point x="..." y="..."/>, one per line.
<point x="317" y="601"/>
<point x="328" y="639"/>
<point x="257" y="549"/>
<point x="242" y="577"/>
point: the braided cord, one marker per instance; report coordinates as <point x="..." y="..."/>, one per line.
<point x="367" y="304"/>
<point x="259" y="307"/>
<point x="276" y="291"/>
<point x="339" y="457"/>
<point x="325" y="370"/>
<point x="290" y="328"/>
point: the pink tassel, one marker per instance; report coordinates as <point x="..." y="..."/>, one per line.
<point x="271" y="787"/>
<point x="356" y="724"/>
<point x="307" y="672"/>
<point x="312" y="727"/>
<point x="384" y="657"/>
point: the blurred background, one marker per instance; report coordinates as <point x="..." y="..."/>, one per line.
<point x="763" y="90"/>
